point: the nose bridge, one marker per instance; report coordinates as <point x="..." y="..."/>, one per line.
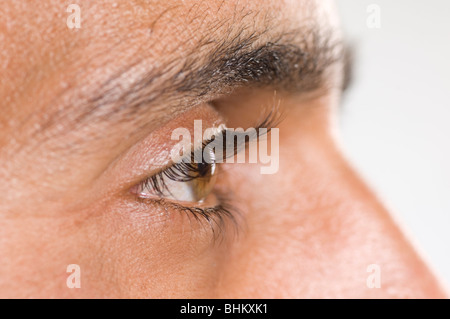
<point x="327" y="238"/>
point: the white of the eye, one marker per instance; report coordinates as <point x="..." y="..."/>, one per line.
<point x="180" y="191"/>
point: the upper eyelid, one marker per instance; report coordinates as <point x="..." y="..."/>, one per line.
<point x="167" y="172"/>
<point x="267" y="123"/>
<point x="271" y="116"/>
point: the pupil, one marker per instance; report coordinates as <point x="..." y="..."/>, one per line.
<point x="203" y="169"/>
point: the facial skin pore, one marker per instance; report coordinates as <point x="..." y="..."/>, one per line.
<point x="88" y="113"/>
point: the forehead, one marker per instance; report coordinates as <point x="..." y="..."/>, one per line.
<point x="36" y="35"/>
<point x="41" y="58"/>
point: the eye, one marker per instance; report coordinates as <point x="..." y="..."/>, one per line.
<point x="184" y="182"/>
<point x="192" y="181"/>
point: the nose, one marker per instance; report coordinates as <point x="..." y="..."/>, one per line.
<point x="315" y="230"/>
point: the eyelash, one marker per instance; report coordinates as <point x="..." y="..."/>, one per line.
<point x="215" y="216"/>
<point x="184" y="172"/>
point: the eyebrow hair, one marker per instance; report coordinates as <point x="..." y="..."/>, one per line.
<point x="294" y="61"/>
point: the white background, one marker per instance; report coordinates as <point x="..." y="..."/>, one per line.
<point x="396" y="116"/>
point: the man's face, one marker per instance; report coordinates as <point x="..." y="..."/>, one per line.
<point x="87" y="116"/>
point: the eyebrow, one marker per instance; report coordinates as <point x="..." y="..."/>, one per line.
<point x="294" y="61"/>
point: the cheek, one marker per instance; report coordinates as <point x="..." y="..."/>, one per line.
<point x="40" y="250"/>
<point x="136" y="250"/>
<point x="122" y="249"/>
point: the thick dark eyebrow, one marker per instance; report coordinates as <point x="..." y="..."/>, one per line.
<point x="294" y="61"/>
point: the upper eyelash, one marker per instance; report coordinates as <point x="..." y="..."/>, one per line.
<point x="184" y="172"/>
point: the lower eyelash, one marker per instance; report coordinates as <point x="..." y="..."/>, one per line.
<point x="217" y="217"/>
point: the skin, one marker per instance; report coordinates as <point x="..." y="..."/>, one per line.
<point x="308" y="231"/>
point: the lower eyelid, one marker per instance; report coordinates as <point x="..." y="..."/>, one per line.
<point x="220" y="218"/>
